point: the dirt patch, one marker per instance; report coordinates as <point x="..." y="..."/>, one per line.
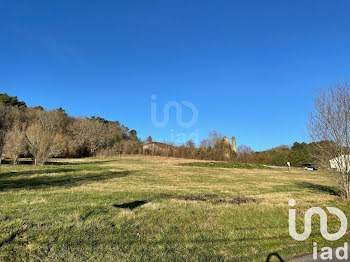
<point x="211" y="196"/>
<point x="164" y="195"/>
<point x="237" y="200"/>
<point x="192" y="198"/>
<point x="216" y="199"/>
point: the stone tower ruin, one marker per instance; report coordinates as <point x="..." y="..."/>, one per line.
<point x="226" y="141"/>
<point x="233" y="144"/>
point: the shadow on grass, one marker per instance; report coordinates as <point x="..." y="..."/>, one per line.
<point x="131" y="205"/>
<point x="320" y="188"/>
<point x="20" y="162"/>
<point x="66" y="180"/>
<point x="58" y="163"/>
<point x="35" y="172"/>
<point x="54" y="163"/>
<point x="12" y="236"/>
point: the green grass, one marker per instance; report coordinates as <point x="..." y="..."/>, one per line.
<point x="225" y="165"/>
<point x="134" y="209"/>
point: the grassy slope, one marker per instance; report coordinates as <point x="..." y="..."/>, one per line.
<point x="80" y="211"/>
<point x="225" y="165"/>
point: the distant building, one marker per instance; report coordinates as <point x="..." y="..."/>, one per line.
<point x="341" y="163"/>
<point x="223" y="149"/>
<point x="154" y="148"/>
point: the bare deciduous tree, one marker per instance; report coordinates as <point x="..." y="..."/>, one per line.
<point x="1" y="145"/>
<point x="39" y="143"/>
<point x="59" y="146"/>
<point x="214" y="137"/>
<point x="92" y="134"/>
<point x="330" y="127"/>
<point x="5" y="124"/>
<point x="245" y="154"/>
<point x="15" y="143"/>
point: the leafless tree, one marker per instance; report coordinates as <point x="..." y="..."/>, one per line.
<point x="91" y="134"/>
<point x="2" y="138"/>
<point x="39" y="143"/>
<point x="59" y="146"/>
<point x="330" y="127"/>
<point x="214" y="137"/>
<point x="130" y="147"/>
<point x="245" y="154"/>
<point x="15" y="143"/>
<point x="6" y="119"/>
<point x="204" y="143"/>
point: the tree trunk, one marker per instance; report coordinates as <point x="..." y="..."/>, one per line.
<point x="348" y="186"/>
<point x="345" y="187"/>
<point x="0" y="157"/>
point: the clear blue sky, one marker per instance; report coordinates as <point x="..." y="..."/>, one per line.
<point x="248" y="67"/>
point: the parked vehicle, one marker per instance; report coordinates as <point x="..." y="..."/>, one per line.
<point x="310" y="167"/>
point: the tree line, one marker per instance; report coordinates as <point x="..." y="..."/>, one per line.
<point x="41" y="134"/>
<point x="216" y="148"/>
<point x="298" y="154"/>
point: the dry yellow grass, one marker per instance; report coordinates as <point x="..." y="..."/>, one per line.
<point x="142" y="207"/>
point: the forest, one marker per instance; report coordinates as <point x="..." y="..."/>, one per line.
<point x="41" y="134"/>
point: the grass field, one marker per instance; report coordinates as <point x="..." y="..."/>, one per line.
<point x="152" y="208"/>
<point x="225" y="165"/>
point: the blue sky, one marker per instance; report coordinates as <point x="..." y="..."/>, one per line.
<point x="249" y="68"/>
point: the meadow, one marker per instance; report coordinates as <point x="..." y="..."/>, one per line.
<point x="138" y="208"/>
